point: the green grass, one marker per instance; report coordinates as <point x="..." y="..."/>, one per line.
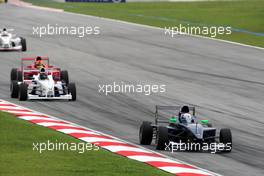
<point x="18" y="158"/>
<point x="247" y="15"/>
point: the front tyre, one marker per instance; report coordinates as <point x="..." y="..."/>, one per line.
<point x="72" y="91"/>
<point x="23" y="44"/>
<point x="14" y="89"/>
<point x="225" y="138"/>
<point x="162" y="138"/>
<point x="145" y="133"/>
<point x="65" y="76"/>
<point x="13" y="74"/>
<point x="23" y="92"/>
<point x="19" y="76"/>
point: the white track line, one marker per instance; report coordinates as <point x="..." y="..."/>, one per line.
<point x="159" y="28"/>
<point x="124" y="148"/>
<point x="69" y="131"/>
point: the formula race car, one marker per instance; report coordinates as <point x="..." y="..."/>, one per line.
<point x="182" y="127"/>
<point x="31" y="66"/>
<point x="30" y="83"/>
<point x="9" y="42"/>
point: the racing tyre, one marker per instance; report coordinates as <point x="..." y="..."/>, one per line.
<point x="145" y="133"/>
<point x="23" y="44"/>
<point x="162" y="138"/>
<point x="23" y="92"/>
<point x="226" y="138"/>
<point x="13" y="74"/>
<point x="65" y="76"/>
<point x="6" y="1"/>
<point x="19" y="76"/>
<point x="210" y="125"/>
<point x="72" y="91"/>
<point x="14" y="89"/>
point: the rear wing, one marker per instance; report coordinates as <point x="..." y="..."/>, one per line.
<point x="177" y="109"/>
<point x="8" y="30"/>
<point x="33" y="60"/>
<point x="25" y="62"/>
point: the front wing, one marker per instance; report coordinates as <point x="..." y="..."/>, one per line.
<point x="16" y="48"/>
<point x="61" y="97"/>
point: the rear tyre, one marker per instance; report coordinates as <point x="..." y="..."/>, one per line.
<point x="226" y="139"/>
<point x="162" y="138"/>
<point x="23" y="44"/>
<point x="19" y="76"/>
<point x="145" y="133"/>
<point x="13" y="74"/>
<point x="23" y="92"/>
<point x="210" y="125"/>
<point x="65" y="76"/>
<point x="72" y="91"/>
<point x="14" y="89"/>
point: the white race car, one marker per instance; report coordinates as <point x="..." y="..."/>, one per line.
<point x="43" y="86"/>
<point x="9" y="42"/>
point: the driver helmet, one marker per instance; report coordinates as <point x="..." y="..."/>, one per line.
<point x="4" y="33"/>
<point x="186" y="118"/>
<point x="43" y="74"/>
<point x="185" y="109"/>
<point x="38" y="62"/>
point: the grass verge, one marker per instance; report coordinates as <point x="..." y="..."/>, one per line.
<point x="18" y="158"/>
<point x="246" y="15"/>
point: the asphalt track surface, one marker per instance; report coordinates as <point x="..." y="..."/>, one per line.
<point x="224" y="80"/>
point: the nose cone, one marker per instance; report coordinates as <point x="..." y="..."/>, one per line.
<point x="5" y="41"/>
<point x="50" y="85"/>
